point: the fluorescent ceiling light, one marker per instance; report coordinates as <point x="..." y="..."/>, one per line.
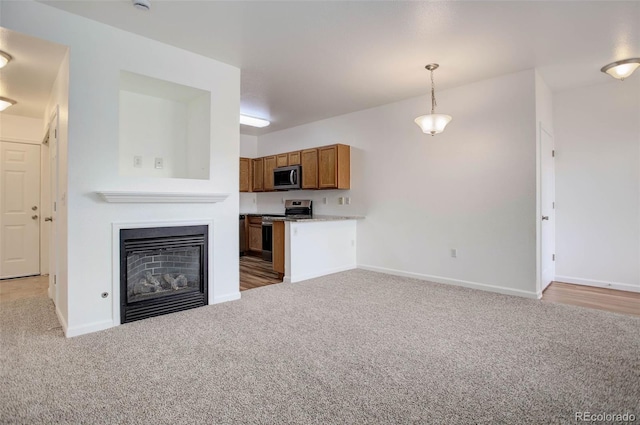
<point x="5" y="103"/>
<point x="4" y="59"/>
<point x="253" y="122"/>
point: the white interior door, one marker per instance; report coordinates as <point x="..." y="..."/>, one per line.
<point x="19" y="209"/>
<point x="547" y="198"/>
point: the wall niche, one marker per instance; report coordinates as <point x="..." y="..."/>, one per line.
<point x="164" y="129"/>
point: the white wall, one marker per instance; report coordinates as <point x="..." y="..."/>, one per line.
<point x="472" y="188"/>
<point x="93" y="152"/>
<point x="15" y="128"/>
<point x="248" y="149"/>
<point x="598" y="184"/>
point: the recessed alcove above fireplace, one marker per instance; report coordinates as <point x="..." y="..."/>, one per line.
<point x="162" y="270"/>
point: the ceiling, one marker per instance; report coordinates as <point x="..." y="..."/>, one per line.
<point x="29" y="77"/>
<point x="304" y="61"/>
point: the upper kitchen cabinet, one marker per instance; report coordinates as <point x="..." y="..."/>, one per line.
<point x="309" y="163"/>
<point x="257" y="172"/>
<point x="245" y="175"/>
<point x="269" y="166"/>
<point x="294" y="158"/>
<point x="334" y="167"/>
<point x="282" y="160"/>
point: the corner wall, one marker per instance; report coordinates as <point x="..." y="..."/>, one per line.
<point x="93" y="153"/>
<point x="472" y="188"/>
<point x="598" y="184"/>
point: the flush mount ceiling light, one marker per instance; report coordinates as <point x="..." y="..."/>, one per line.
<point x="5" y="58"/>
<point x="433" y="123"/>
<point x="5" y="103"/>
<point x="253" y="122"/>
<point x="142" y="4"/>
<point x="621" y="69"/>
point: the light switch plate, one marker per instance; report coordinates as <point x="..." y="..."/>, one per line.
<point x="159" y="163"/>
<point x="137" y="161"/>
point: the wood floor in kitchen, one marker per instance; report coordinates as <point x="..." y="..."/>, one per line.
<point x="255" y="272"/>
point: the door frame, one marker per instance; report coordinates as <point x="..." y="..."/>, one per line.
<point x="53" y="148"/>
<point x="540" y="262"/>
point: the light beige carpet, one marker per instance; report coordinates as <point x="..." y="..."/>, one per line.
<point x="355" y="347"/>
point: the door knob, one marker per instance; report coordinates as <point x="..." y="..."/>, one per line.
<point x="34" y="208"/>
<point x="48" y="219"/>
<point x="35" y="217"/>
<point x="545" y="217"/>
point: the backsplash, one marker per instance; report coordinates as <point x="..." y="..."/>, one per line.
<point x="272" y="202"/>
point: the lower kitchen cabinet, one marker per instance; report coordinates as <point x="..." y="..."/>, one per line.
<point x="255" y="234"/>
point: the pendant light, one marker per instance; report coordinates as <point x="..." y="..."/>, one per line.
<point x="433" y="123"/>
<point x="5" y="102"/>
<point x="621" y="69"/>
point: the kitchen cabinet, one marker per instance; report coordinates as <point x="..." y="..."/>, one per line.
<point x="309" y="163"/>
<point x="257" y="173"/>
<point x="255" y="234"/>
<point x="282" y="160"/>
<point x="245" y="175"/>
<point x="293" y="158"/>
<point x="269" y="165"/>
<point x="278" y="247"/>
<point x="334" y="167"/>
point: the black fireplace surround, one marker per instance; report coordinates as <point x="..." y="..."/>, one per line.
<point x="162" y="270"/>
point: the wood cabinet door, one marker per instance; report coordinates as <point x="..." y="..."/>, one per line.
<point x="257" y="171"/>
<point x="269" y="165"/>
<point x="245" y="175"/>
<point x="294" y="158"/>
<point x="282" y="160"/>
<point x="334" y="167"/>
<point x="255" y="238"/>
<point x="309" y="163"/>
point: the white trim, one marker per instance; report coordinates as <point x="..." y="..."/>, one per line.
<point x="303" y="277"/>
<point x="457" y="282"/>
<point x="63" y="322"/>
<point x="598" y="283"/>
<point x="23" y="141"/>
<point x="88" y="328"/>
<point x="224" y="298"/>
<point x="162" y="197"/>
<point x="115" y="256"/>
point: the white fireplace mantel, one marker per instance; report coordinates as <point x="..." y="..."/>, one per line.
<point x="162" y="197"/>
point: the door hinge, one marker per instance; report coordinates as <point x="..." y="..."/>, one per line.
<point x="553" y="257"/>
<point x="55" y="279"/>
<point x="553" y="205"/>
<point x="54" y="206"/>
<point x="553" y="153"/>
<point x="55" y="133"/>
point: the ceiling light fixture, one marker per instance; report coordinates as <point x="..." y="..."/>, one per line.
<point x="621" y="69"/>
<point x="5" y="103"/>
<point x="5" y="58"/>
<point x="253" y="122"/>
<point x="142" y="4"/>
<point x="433" y="123"/>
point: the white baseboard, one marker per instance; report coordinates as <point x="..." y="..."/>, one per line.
<point x="302" y="277"/>
<point x="224" y="298"/>
<point x="598" y="283"/>
<point x="63" y="322"/>
<point x="457" y="282"/>
<point x="88" y="328"/>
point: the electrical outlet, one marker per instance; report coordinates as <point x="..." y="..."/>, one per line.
<point x="341" y="201"/>
<point x="159" y="163"/>
<point x="347" y="200"/>
<point x="282" y="200"/>
<point x="324" y="200"/>
<point x="454" y="253"/>
<point x="137" y="161"/>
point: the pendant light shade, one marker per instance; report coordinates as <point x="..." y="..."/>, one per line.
<point x="621" y="69"/>
<point x="5" y="102"/>
<point x="433" y="123"/>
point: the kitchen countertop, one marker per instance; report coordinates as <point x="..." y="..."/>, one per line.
<point x="315" y="217"/>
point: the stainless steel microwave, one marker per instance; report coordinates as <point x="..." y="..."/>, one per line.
<point x="286" y="178"/>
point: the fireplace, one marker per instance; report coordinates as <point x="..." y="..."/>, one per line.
<point x="162" y="270"/>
